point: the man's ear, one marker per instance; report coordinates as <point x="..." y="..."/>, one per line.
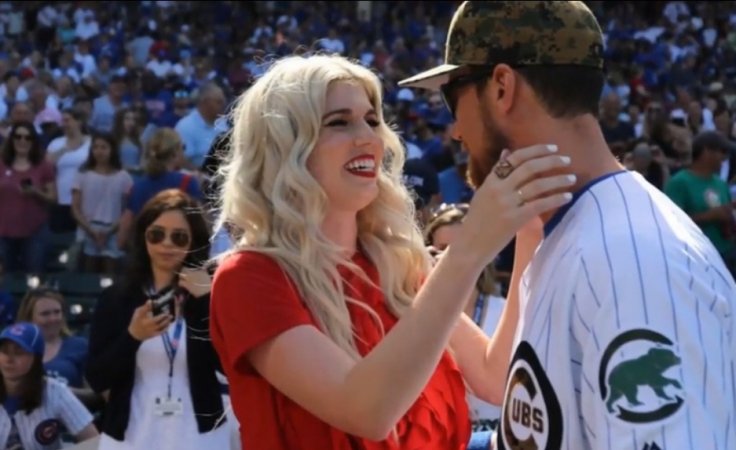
<point x="502" y="91"/>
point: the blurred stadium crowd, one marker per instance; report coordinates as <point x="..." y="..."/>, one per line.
<point x="141" y="91"/>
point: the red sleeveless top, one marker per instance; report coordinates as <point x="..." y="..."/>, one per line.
<point x="252" y="300"/>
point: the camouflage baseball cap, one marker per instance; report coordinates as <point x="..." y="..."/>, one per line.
<point x="517" y="33"/>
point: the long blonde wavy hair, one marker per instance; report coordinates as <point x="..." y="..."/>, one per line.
<point x="271" y="203"/>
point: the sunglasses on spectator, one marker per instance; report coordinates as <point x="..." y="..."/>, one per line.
<point x="157" y="235"/>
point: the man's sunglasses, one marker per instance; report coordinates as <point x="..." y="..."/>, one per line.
<point x="451" y="89"/>
<point x="157" y="235"/>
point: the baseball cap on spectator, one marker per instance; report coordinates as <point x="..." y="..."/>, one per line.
<point x="26" y="335"/>
<point x="422" y="179"/>
<point x="405" y="95"/>
<point x="712" y="140"/>
<point x="678" y="114"/>
<point x="518" y="34"/>
<point x="48" y="115"/>
<point x="27" y="73"/>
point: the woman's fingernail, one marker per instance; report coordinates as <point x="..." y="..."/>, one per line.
<point x="565" y="159"/>
<point x="552" y="147"/>
<point x="567" y="196"/>
<point x="572" y="178"/>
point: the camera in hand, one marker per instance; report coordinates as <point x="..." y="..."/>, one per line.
<point x="163" y="302"/>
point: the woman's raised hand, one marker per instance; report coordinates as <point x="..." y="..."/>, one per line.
<point x="524" y="184"/>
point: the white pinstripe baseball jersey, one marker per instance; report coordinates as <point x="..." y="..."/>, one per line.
<point x="41" y="429"/>
<point x="626" y="335"/>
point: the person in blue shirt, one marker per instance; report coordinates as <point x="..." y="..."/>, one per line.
<point x="200" y="127"/>
<point x="65" y="355"/>
<point x="163" y="160"/>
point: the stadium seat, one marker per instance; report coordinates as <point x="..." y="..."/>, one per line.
<point x="79" y="311"/>
<point x="78" y="283"/>
<point x="59" y="252"/>
<point x="17" y="284"/>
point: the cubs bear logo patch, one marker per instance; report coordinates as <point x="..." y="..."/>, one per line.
<point x="639" y="377"/>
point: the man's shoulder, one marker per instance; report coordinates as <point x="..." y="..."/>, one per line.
<point x="630" y="212"/>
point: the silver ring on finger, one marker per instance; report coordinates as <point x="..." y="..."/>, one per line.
<point x="521" y="197"/>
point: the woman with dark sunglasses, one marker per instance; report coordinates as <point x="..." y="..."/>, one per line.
<point x="27" y="188"/>
<point x="150" y="348"/>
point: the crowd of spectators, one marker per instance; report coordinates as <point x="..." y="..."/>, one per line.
<point x="105" y="104"/>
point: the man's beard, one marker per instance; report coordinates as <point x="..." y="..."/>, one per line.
<point x="494" y="142"/>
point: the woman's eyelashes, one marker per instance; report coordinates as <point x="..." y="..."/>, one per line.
<point x="373" y="123"/>
<point x="337" y="123"/>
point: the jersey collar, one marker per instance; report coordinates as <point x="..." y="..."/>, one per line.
<point x="557" y="217"/>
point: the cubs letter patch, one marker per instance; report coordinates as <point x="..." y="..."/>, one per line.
<point x="531" y="418"/>
<point x="639" y="377"/>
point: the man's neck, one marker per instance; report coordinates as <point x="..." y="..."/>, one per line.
<point x="701" y="171"/>
<point x="209" y="120"/>
<point x="582" y="140"/>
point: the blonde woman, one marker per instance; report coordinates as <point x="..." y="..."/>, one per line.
<point x="65" y="355"/>
<point x="162" y="165"/>
<point x="331" y="328"/>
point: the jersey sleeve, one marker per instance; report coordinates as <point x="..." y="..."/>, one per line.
<point x="252" y="301"/>
<point x="68" y="408"/>
<point x="657" y="357"/>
